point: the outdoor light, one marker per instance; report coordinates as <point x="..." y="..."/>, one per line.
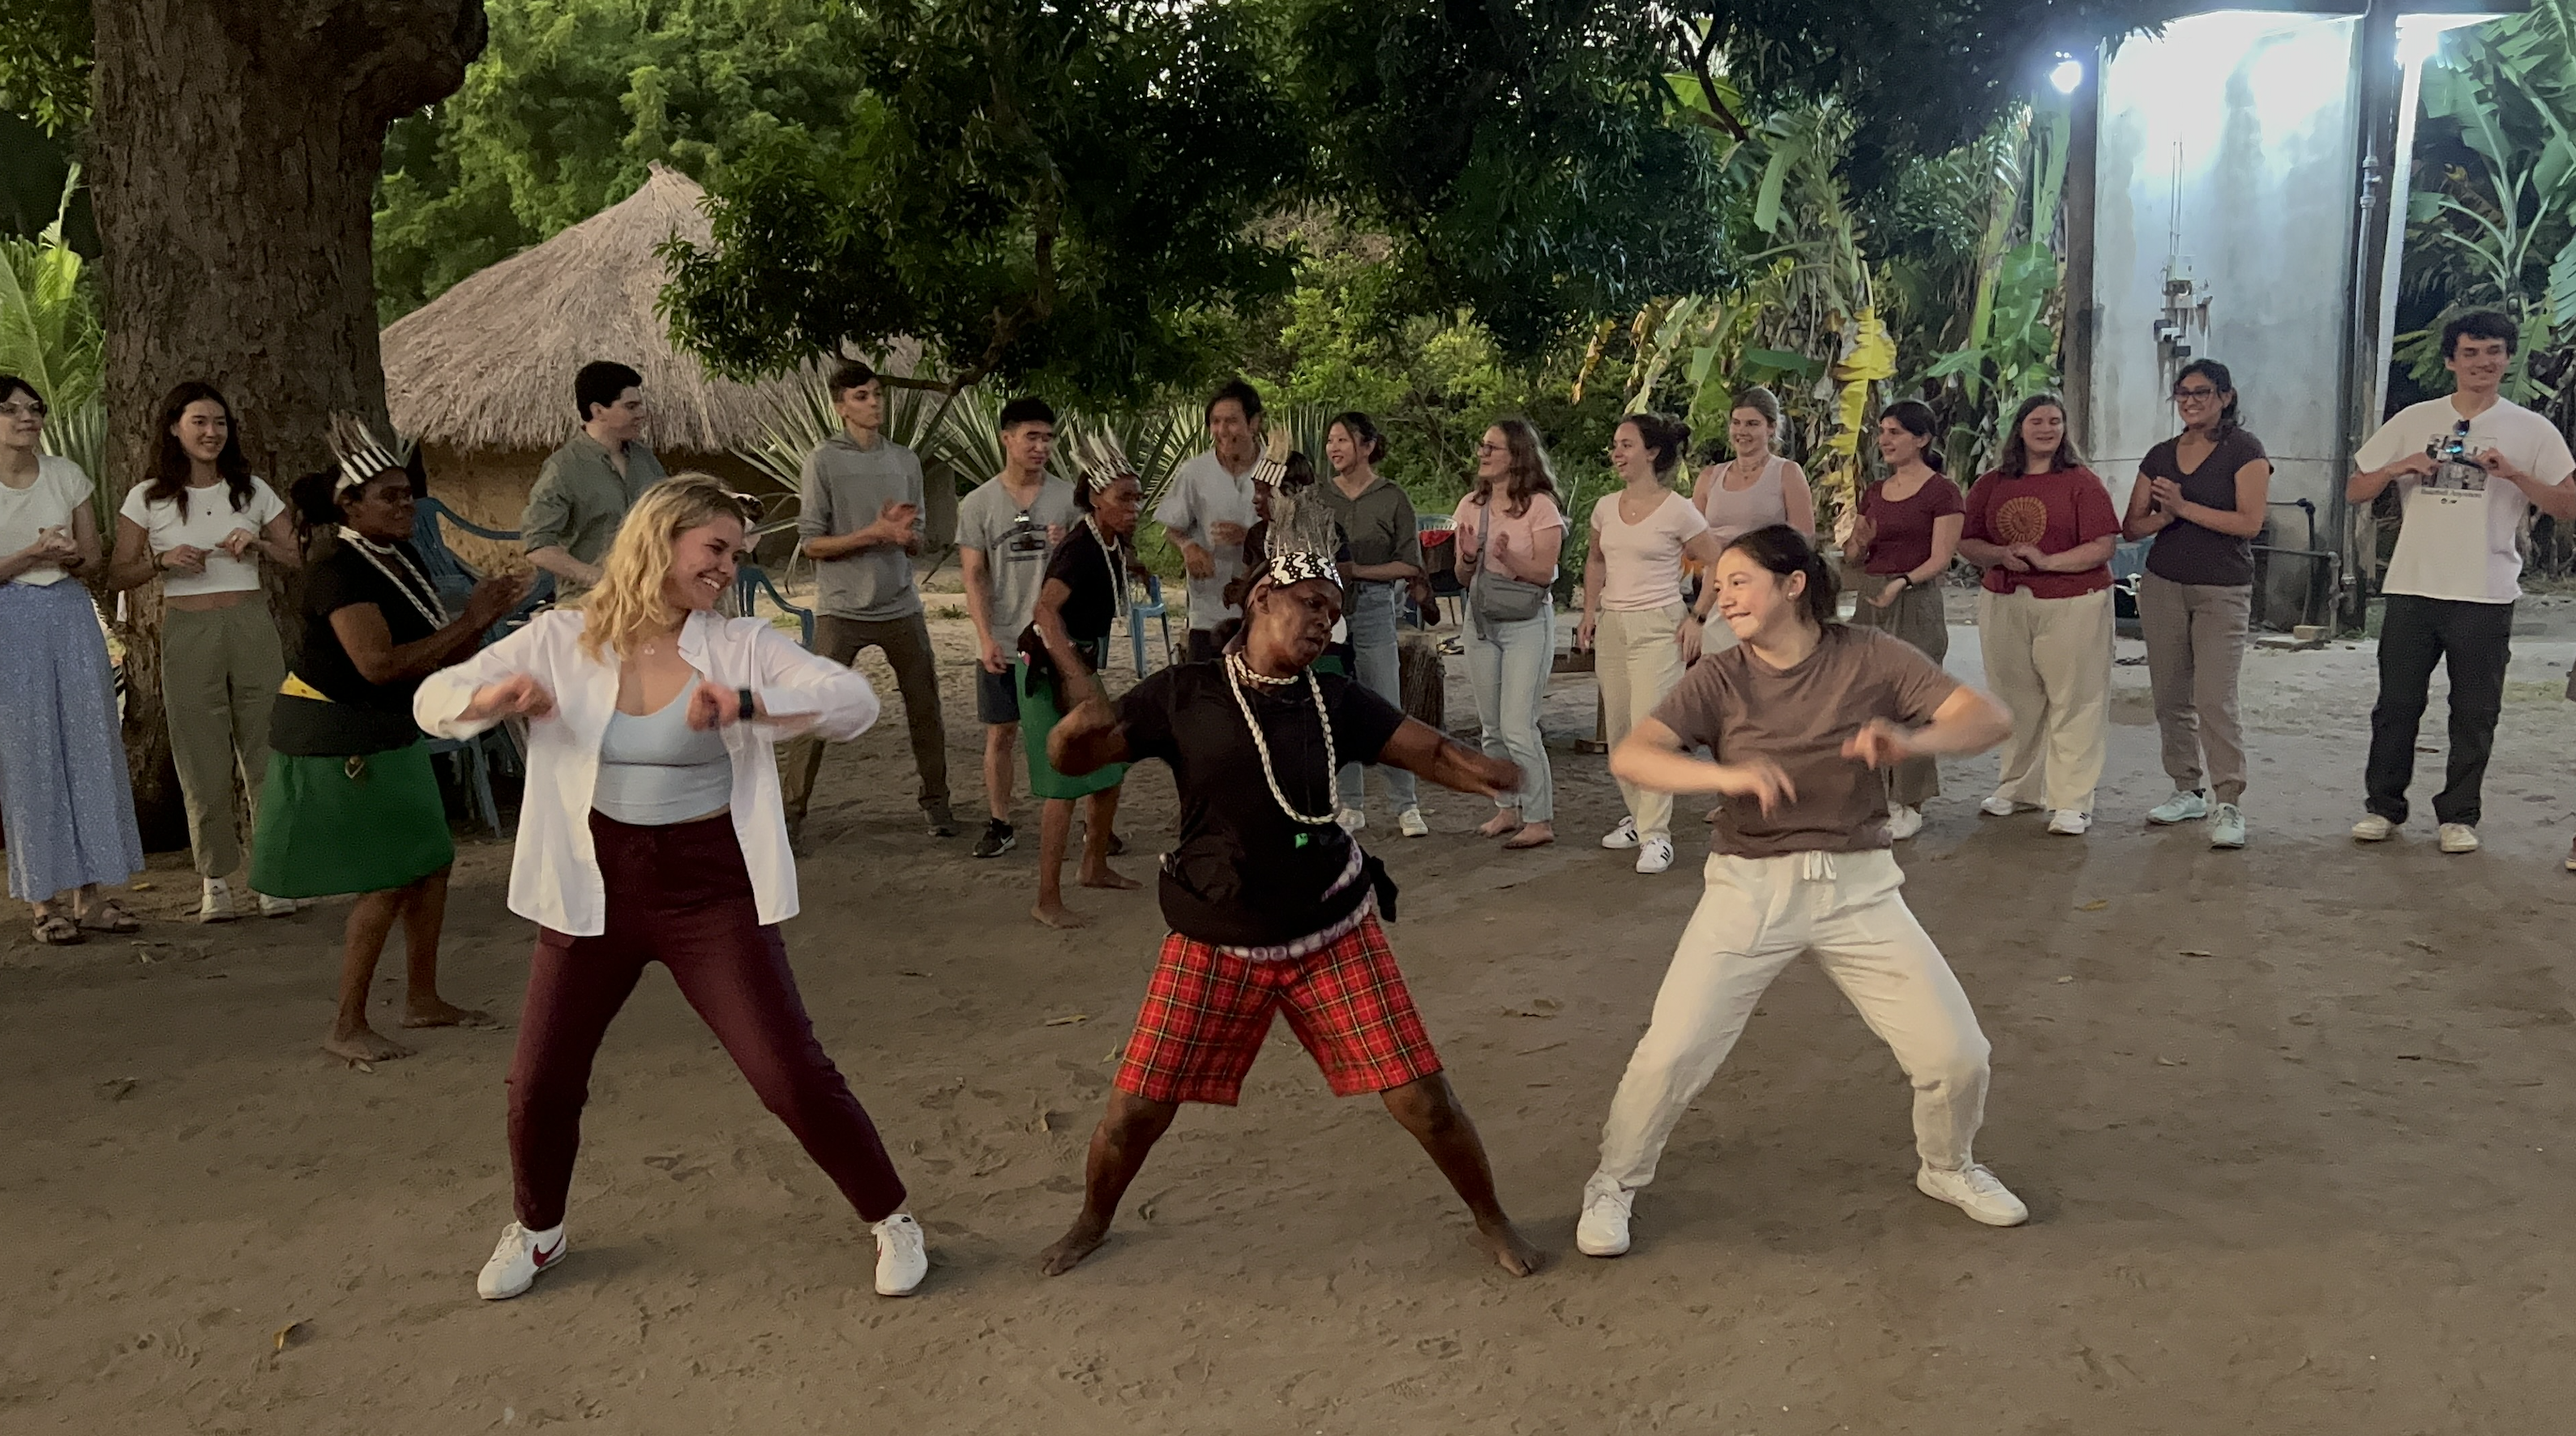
<point x="2066" y="74"/>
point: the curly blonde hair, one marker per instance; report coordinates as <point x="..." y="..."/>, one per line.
<point x="628" y="605"/>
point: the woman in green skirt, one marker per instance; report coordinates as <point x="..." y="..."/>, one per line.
<point x="351" y="804"/>
<point x="1085" y="591"/>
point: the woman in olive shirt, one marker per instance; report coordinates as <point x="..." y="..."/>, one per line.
<point x="1386" y="558"/>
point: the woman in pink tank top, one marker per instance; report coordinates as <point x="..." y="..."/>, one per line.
<point x="1756" y="488"/>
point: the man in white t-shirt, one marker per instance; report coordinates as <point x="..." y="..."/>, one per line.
<point x="2468" y="469"/>
<point x="1208" y="510"/>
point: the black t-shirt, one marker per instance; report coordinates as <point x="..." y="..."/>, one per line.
<point x="362" y="717"/>
<point x="2184" y="552"/>
<point x="1092" y="607"/>
<point x="1245" y="874"/>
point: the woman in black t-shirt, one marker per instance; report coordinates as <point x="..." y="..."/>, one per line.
<point x="1085" y="589"/>
<point x="2201" y="495"/>
<point x="352" y="805"/>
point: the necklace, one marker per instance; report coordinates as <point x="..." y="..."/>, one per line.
<point x="1236" y="670"/>
<point x="1110" y="554"/>
<point x="414" y="584"/>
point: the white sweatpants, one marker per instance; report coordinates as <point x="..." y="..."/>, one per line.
<point x="1756" y="916"/>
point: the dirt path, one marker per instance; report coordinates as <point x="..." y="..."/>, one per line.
<point x="2293" y="1124"/>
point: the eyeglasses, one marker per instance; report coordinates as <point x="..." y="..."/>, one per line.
<point x="2199" y="393"/>
<point x="1489" y="448"/>
<point x="25" y="411"/>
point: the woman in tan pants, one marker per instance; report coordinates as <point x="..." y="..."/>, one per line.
<point x="2042" y="526"/>
<point x="1633" y="614"/>
<point x="201" y="523"/>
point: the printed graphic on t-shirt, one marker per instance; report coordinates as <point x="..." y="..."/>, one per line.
<point x="2022" y="520"/>
<point x="1024" y="542"/>
<point x="2455" y="475"/>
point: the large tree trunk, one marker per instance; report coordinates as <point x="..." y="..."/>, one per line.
<point x="235" y="148"/>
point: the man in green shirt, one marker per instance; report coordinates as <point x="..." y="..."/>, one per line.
<point x="586" y="487"/>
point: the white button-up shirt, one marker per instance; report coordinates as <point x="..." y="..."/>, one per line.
<point x="554" y="874"/>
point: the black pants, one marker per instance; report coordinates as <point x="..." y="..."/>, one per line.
<point x="2473" y="642"/>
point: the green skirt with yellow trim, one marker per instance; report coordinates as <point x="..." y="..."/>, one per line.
<point x="365" y="824"/>
<point x="1038" y="717"/>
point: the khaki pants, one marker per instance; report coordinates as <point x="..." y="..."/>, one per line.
<point x="1919" y="618"/>
<point x="906" y="642"/>
<point x="2195" y="645"/>
<point x="2049" y="660"/>
<point x="220" y="668"/>
<point x="1756" y="916"/>
<point x="1638" y="659"/>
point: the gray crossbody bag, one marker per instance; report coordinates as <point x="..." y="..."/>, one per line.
<point x="1496" y="598"/>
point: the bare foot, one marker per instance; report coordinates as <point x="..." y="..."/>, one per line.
<point x="1110" y="877"/>
<point x="1536" y="835"/>
<point x="1504" y="820"/>
<point x="1080" y="1240"/>
<point x="437" y="1012"/>
<point x="364" y="1045"/>
<point x="1057" y="915"/>
<point x="1511" y="1251"/>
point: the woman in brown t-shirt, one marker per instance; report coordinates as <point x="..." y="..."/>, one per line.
<point x="1797" y="715"/>
<point x="1904" y="537"/>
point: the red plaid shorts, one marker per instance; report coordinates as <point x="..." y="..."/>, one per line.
<point x="1206" y="1015"/>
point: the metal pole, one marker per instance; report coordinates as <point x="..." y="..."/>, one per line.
<point x="2375" y="103"/>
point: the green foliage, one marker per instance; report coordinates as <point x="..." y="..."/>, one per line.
<point x="1050" y="193"/>
<point x="45" y="61"/>
<point x="1519" y="156"/>
<point x="51" y="336"/>
<point x="570" y="103"/>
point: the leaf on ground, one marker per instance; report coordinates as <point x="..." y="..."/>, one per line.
<point x="2173" y="1061"/>
<point x="2096" y="905"/>
<point x="1068" y="1020"/>
<point x="2066" y="979"/>
<point x="288" y="1333"/>
<point x="2194" y="952"/>
<point x="138" y="887"/>
<point x="908" y="972"/>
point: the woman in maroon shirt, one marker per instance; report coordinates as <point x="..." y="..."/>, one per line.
<point x="1904" y="539"/>
<point x="2042" y="527"/>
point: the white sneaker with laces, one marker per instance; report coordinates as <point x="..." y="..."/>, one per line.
<point x="1351" y="819"/>
<point x="2459" y="838"/>
<point x="1903" y="822"/>
<point x="903" y="1256"/>
<point x="1602" y="1230"/>
<point x="1999" y="806"/>
<point x="2227" y="826"/>
<point x="2182" y="807"/>
<point x="2373" y="829"/>
<point x="1412" y="824"/>
<point x="1622" y="837"/>
<point x="1655" y="855"/>
<point x="278" y="906"/>
<point x="517" y="1260"/>
<point x="216" y="902"/>
<point x="1973" y="1190"/>
<point x="2068" y="823"/>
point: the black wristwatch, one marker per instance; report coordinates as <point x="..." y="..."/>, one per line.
<point x="744" y="694"/>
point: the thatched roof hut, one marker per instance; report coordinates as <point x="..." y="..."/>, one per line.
<point x="482" y="375"/>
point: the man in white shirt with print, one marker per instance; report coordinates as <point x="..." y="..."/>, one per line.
<point x="1208" y="510"/>
<point x="2468" y="469"/>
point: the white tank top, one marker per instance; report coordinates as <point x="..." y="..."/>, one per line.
<point x="1733" y="513"/>
<point x="655" y="770"/>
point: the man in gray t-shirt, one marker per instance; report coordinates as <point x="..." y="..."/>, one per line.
<point x="860" y="522"/>
<point x="1208" y="509"/>
<point x="1006" y="531"/>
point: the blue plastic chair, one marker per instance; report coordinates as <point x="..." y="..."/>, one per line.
<point x="750" y="581"/>
<point x="454" y="578"/>
<point x="1153" y="608"/>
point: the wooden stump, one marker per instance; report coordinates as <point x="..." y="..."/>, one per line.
<point x="1424" y="679"/>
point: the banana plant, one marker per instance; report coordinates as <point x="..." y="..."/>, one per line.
<point x="50" y="336"/>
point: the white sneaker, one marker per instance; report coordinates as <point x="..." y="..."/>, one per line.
<point x="1903" y="822"/>
<point x="2182" y="807"/>
<point x="1351" y="819"/>
<point x="2459" y="838"/>
<point x="2068" y="823"/>
<point x="2227" y="826"/>
<point x="1655" y="855"/>
<point x="1621" y="837"/>
<point x="2000" y="806"/>
<point x="903" y="1257"/>
<point x="1412" y="824"/>
<point x="517" y="1260"/>
<point x="2373" y="829"/>
<point x="1975" y="1191"/>
<point x="1602" y="1230"/>
<point x="216" y="905"/>
<point x="278" y="906"/>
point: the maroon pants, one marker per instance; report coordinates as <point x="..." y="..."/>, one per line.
<point x="679" y="895"/>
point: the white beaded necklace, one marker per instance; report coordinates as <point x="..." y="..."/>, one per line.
<point x="1236" y="672"/>
<point x="424" y="599"/>
<point x="1109" y="556"/>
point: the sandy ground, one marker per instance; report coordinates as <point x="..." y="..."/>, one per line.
<point x="2290" y="1122"/>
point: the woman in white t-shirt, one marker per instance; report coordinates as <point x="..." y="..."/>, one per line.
<point x="201" y="523"/>
<point x="64" y="799"/>
<point x="1633" y="613"/>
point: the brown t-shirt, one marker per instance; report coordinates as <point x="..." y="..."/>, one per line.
<point x="1741" y="708"/>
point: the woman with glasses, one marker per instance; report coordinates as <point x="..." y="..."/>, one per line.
<point x="1509" y="534"/>
<point x="2201" y="495"/>
<point x="64" y="798"/>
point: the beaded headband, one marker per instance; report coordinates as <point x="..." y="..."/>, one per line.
<point x="1097" y="454"/>
<point x="361" y="457"/>
<point x="1301" y="542"/>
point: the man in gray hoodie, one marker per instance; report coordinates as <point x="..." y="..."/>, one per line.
<point x="861" y="525"/>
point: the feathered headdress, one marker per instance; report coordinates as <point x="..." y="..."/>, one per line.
<point x="361" y="457"/>
<point x="1302" y="540"/>
<point x="1097" y="454"/>
<point x="1273" y="468"/>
